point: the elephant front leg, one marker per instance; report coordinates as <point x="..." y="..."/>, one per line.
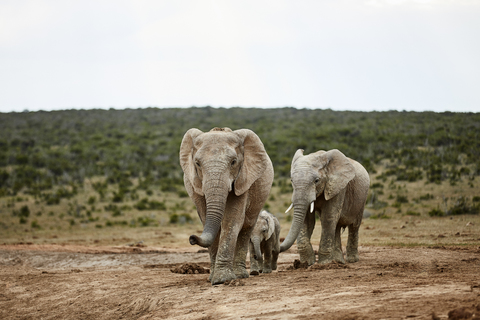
<point x="228" y="243"/>
<point x="305" y="249"/>
<point x="239" y="265"/>
<point x="330" y="244"/>
<point x="255" y="268"/>
<point x="212" y="250"/>
<point x="268" y="258"/>
<point x="352" y="244"/>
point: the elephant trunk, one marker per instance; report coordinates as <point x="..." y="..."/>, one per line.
<point x="300" y="209"/>
<point x="256" y="245"/>
<point x="216" y="198"/>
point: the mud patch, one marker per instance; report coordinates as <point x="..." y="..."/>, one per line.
<point x="402" y="265"/>
<point x="316" y="266"/>
<point x="472" y="313"/>
<point x="298" y="265"/>
<point x="190" y="268"/>
<point x="328" y="266"/>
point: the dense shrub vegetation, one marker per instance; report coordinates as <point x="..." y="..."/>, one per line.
<point x="50" y="155"/>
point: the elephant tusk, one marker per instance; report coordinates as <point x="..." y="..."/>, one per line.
<point x="289" y="208"/>
<point x="311" y="207"/>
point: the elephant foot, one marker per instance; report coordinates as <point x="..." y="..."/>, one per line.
<point x="241" y="273"/>
<point x="255" y="272"/>
<point x="307" y="255"/>
<point x="222" y="275"/>
<point x="352" y="258"/>
<point x="267" y="270"/>
<point x="324" y="259"/>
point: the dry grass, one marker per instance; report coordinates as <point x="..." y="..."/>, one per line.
<point x="399" y="229"/>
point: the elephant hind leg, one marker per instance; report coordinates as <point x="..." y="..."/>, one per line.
<point x="337" y="253"/>
<point x="274" y="259"/>
<point x="352" y="244"/>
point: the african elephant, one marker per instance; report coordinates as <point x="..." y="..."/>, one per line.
<point x="336" y="187"/>
<point x="264" y="241"/>
<point x="228" y="175"/>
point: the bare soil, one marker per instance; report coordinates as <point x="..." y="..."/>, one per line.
<point x="81" y="282"/>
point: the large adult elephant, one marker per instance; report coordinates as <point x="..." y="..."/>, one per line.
<point x="336" y="187"/>
<point x="228" y="175"/>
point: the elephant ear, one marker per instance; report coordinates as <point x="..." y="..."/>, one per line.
<point x="255" y="160"/>
<point x="186" y="160"/>
<point x="271" y="225"/>
<point x="340" y="172"/>
<point x="297" y="155"/>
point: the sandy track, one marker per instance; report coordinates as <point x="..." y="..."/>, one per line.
<point x="75" y="282"/>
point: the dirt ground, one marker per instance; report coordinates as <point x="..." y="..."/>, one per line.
<point x="80" y="282"/>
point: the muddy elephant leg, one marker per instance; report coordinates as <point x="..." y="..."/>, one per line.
<point x="327" y="251"/>
<point x="337" y="254"/>
<point x="275" y="252"/>
<point x="239" y="264"/>
<point x="304" y="245"/>
<point x="232" y="224"/>
<point x="255" y="267"/>
<point x="352" y="244"/>
<point x="212" y="250"/>
<point x="268" y="258"/>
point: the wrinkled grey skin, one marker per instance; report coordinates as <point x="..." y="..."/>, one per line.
<point x="264" y="244"/>
<point x="338" y="188"/>
<point x="228" y="175"/>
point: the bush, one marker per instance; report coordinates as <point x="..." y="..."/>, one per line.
<point x="401" y="199"/>
<point x="91" y="200"/>
<point x="379" y="216"/>
<point x="428" y="196"/>
<point x="182" y="193"/>
<point x="145" y="204"/>
<point x="463" y="206"/>
<point x="412" y="213"/>
<point x="182" y="218"/>
<point x="146" y="221"/>
<point x="436" y="213"/>
<point x="35" y="225"/>
<point x="24" y="211"/>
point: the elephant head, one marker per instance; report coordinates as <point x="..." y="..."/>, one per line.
<point x="262" y="231"/>
<point x="322" y="172"/>
<point x="216" y="163"/>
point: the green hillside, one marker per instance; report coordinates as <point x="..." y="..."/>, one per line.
<point x="107" y="168"/>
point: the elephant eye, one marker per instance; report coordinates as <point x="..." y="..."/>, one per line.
<point x="197" y="163"/>
<point x="317" y="180"/>
<point x="233" y="162"/>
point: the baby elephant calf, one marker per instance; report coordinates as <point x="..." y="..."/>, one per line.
<point x="264" y="244"/>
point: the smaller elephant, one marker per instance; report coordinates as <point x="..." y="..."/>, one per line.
<point x="336" y="187"/>
<point x="264" y="241"/>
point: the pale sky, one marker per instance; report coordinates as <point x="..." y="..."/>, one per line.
<point x="341" y="54"/>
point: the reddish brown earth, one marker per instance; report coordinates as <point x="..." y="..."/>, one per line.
<point x="77" y="282"/>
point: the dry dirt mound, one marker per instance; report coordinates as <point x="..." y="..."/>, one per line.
<point x="190" y="268"/>
<point x="328" y="266"/>
<point x="472" y="313"/>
